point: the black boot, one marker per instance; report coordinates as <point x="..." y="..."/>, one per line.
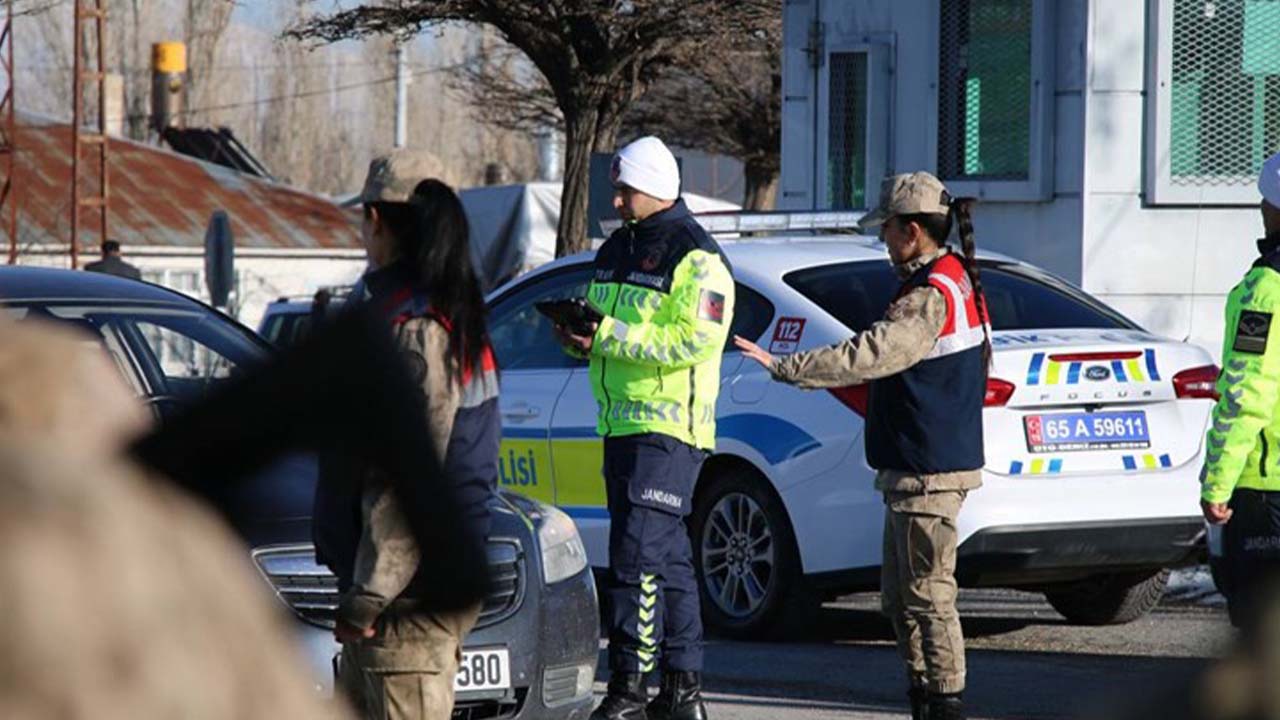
<point x="625" y="699"/>
<point x="919" y="703"/>
<point x="679" y="697"/>
<point x="948" y="706"/>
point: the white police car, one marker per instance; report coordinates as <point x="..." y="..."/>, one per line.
<point x="1093" y="433"/>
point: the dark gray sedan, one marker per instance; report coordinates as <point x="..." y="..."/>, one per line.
<point x="533" y="652"/>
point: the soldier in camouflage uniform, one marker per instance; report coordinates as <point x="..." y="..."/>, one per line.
<point x="926" y="363"/>
<point x="398" y="660"/>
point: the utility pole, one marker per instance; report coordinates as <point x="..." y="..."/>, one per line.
<point x="8" y="135"/>
<point x="402" y="94"/>
<point x="94" y="10"/>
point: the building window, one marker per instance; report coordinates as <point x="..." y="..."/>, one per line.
<point x="1217" y="99"/>
<point x="847" y="131"/>
<point x="994" y="110"/>
<point x="984" y="90"/>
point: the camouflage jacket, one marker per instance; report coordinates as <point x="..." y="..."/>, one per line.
<point x="904" y="337"/>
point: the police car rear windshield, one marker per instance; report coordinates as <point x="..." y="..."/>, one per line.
<point x="1018" y="297"/>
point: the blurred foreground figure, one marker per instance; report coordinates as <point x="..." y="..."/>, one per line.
<point x="121" y="597"/>
<point x="400" y="655"/>
<point x="1244" y="685"/>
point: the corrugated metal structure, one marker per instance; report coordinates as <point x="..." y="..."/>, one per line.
<point x="160" y="199"/>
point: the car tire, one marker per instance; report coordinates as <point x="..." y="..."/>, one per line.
<point x="748" y="567"/>
<point x="1111" y="599"/>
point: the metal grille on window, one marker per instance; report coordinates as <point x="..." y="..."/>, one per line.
<point x="1225" y="97"/>
<point x="847" y="135"/>
<point x="984" y="90"/>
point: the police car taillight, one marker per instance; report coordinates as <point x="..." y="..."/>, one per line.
<point x="998" y="392"/>
<point x="1197" y="382"/>
<point x="855" y="396"/>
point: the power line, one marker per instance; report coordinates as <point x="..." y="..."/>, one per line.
<point x="37" y="9"/>
<point x="272" y="66"/>
<point x="295" y="96"/>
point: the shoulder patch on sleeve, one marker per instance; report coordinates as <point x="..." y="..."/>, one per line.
<point x="711" y="306"/>
<point x="1251" y="332"/>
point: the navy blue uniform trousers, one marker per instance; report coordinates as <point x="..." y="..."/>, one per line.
<point x="653" y="594"/>
<point x="1251" y="541"/>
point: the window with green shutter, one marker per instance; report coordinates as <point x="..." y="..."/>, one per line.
<point x="984" y="90"/>
<point x="995" y="98"/>
<point x="1216" y="113"/>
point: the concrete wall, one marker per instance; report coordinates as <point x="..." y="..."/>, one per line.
<point x="1168" y="268"/>
<point x="1045" y="233"/>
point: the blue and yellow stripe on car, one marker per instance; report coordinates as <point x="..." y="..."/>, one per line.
<point x="1044" y="370"/>
<point x="564" y="466"/>
<point x="1153" y="373"/>
<point x="1148" y="461"/>
<point x="1073" y="373"/>
<point x="1038" y="466"/>
<point x="1033" y="371"/>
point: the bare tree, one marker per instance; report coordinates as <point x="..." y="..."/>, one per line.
<point x="725" y="100"/>
<point x="206" y="23"/>
<point x="723" y="96"/>
<point x="596" y="57"/>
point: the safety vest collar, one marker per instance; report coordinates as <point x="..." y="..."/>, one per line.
<point x="677" y="212"/>
<point x="1269" y="249"/>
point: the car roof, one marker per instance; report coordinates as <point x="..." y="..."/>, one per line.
<point x="772" y="256"/>
<point x="279" y="307"/>
<point x="38" y="283"/>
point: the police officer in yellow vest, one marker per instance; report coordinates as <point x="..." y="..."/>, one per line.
<point x="1240" y="482"/>
<point x="665" y="293"/>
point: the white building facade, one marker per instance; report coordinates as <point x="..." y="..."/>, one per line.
<point x="1114" y="142"/>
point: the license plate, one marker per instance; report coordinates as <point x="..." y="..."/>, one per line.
<point x="483" y="669"/>
<point x="1067" y="432"/>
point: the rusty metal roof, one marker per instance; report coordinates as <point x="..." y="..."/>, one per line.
<point x="162" y="199"/>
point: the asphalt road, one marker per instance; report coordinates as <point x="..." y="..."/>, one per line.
<point x="1025" y="662"/>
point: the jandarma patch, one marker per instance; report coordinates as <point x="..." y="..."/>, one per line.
<point x="711" y="306"/>
<point x="1251" y="332"/>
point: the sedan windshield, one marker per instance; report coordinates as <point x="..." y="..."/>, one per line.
<point x="166" y="354"/>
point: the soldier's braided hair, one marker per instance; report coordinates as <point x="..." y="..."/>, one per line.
<point x="938" y="227"/>
<point x="961" y="211"/>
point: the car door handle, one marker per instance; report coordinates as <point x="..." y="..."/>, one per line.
<point x="522" y="411"/>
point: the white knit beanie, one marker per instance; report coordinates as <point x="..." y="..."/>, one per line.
<point x="1269" y="181"/>
<point x="648" y="166"/>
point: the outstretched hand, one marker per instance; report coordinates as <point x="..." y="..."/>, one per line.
<point x="754" y="351"/>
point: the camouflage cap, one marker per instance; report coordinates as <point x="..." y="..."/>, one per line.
<point x="392" y="177"/>
<point x="910" y="194"/>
